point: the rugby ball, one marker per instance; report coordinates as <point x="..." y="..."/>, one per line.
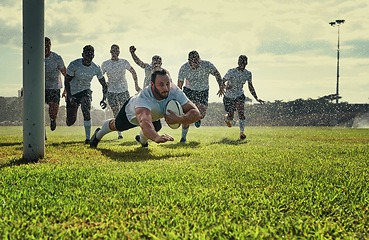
<point x="174" y="106"/>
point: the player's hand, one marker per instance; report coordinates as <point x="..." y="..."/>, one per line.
<point x="103" y="104"/>
<point x="64" y="95"/>
<point x="171" y="118"/>
<point x="73" y="101"/>
<point x="132" y="49"/>
<point x="221" y="92"/>
<point x="163" y="138"/>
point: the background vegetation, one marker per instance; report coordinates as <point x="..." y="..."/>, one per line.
<point x="311" y="112"/>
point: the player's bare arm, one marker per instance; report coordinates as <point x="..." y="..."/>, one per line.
<point x="144" y="118"/>
<point x="191" y="115"/>
<point x="105" y="91"/>
<point x="252" y="91"/>
<point x="134" y="76"/>
<point x="220" y="83"/>
<point x="64" y="72"/>
<point x="137" y="60"/>
<point x="180" y="84"/>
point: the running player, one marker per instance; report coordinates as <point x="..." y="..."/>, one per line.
<point x="115" y="69"/>
<point x="78" y="86"/>
<point x="234" y="97"/>
<point x="196" y="73"/>
<point x="54" y="65"/>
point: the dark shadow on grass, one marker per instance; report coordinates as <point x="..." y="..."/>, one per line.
<point x="231" y="142"/>
<point x="10" y="144"/>
<point x="181" y="145"/>
<point x="18" y="162"/>
<point x="137" y="155"/>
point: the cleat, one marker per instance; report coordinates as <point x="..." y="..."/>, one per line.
<point x="242" y="136"/>
<point x="138" y="139"/>
<point x="183" y="140"/>
<point x="198" y="123"/>
<point x="52" y="124"/>
<point x="226" y="120"/>
<point x="87" y="141"/>
<point x="94" y="141"/>
<point x="120" y="137"/>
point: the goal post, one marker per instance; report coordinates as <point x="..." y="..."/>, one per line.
<point x="33" y="80"/>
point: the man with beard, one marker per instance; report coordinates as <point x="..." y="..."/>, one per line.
<point x="78" y="86"/>
<point x="146" y="109"/>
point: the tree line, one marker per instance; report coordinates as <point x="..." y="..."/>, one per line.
<point x="300" y="112"/>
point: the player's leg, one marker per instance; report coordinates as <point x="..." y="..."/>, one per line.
<point x="229" y="107"/>
<point x="52" y="98"/>
<point x="240" y="106"/>
<point x="71" y="113"/>
<point x="113" y="100"/>
<point x="86" y="111"/>
<point x="120" y="123"/>
<point x="201" y="101"/>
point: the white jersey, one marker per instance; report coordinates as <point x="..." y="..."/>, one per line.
<point x="147" y="100"/>
<point x="148" y="70"/>
<point x="53" y="64"/>
<point x="237" y="79"/>
<point x="82" y="75"/>
<point x="197" y="79"/>
<point x="116" y="72"/>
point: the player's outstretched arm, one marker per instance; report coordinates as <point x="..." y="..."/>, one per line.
<point x="252" y="91"/>
<point x="134" y="76"/>
<point x="144" y="118"/>
<point x="137" y="60"/>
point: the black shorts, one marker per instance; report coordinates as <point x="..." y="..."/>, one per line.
<point x="122" y="123"/>
<point x="52" y="95"/>
<point x="230" y="103"/>
<point x="116" y="100"/>
<point x="197" y="96"/>
<point x="84" y="98"/>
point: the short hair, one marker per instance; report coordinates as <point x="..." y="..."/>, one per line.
<point x="193" y="54"/>
<point x="243" y="58"/>
<point x="114" y="45"/>
<point x="47" y="41"/>
<point x="156" y="57"/>
<point x="155" y="73"/>
<point x="88" y="48"/>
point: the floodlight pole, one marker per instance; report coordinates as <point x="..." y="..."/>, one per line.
<point x="338" y="23"/>
<point x="33" y="80"/>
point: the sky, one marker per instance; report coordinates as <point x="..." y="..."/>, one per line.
<point x="291" y="47"/>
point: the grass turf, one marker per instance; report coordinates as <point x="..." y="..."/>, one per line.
<point x="281" y="182"/>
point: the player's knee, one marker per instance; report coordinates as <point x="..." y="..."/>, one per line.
<point x="112" y="125"/>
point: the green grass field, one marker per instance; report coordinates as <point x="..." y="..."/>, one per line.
<point x="282" y="182"/>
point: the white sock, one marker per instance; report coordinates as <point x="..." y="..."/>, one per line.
<point x="87" y="125"/>
<point x="119" y="134"/>
<point x="105" y="129"/>
<point x="143" y="138"/>
<point x="184" y="133"/>
<point x="242" y="125"/>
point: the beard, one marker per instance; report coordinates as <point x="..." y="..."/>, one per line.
<point x="162" y="95"/>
